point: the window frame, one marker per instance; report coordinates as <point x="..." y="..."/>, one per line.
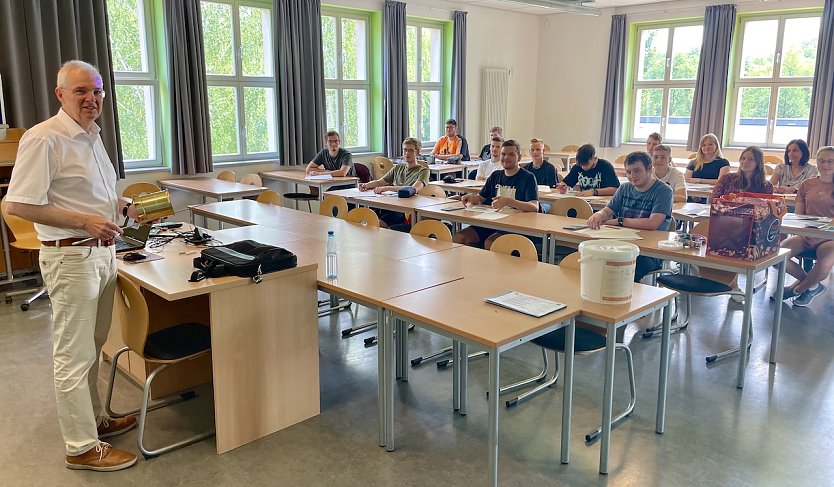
<point x="149" y="78"/>
<point x="666" y="84"/>
<point x="239" y="82"/>
<point x="420" y="86"/>
<point x="340" y="84"/>
<point x="774" y="82"/>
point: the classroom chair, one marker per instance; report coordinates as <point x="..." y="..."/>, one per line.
<point x="587" y="340"/>
<point x="572" y="207"/>
<point x="619" y="160"/>
<point x="333" y="205"/>
<point x="568" y="148"/>
<point x="138" y="189"/>
<point x="708" y="282"/>
<point x="26" y="239"/>
<point x="362" y="172"/>
<point x="363" y="216"/>
<point x="771" y="159"/>
<point x="381" y="166"/>
<point x="252" y="179"/>
<point x="433" y="191"/>
<point x="269" y="197"/>
<point x="227" y="176"/>
<point x="166" y="347"/>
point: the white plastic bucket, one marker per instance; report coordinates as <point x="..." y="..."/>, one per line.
<point x="606" y="272"/>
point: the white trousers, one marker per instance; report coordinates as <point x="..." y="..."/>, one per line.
<point x="81" y="282"/>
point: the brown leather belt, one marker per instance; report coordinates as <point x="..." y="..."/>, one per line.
<point x="68" y="242"/>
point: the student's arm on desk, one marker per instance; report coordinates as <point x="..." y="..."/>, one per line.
<point x="602" y="217"/>
<point x="472" y="198"/>
<point x="653" y="222"/>
<point x="501" y="201"/>
<point x="97" y="226"/>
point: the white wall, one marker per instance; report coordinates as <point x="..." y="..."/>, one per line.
<point x="573" y="54"/>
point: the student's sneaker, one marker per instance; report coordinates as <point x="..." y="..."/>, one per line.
<point x="787" y="293"/>
<point x="808" y="295"/>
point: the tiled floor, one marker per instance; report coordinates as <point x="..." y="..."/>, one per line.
<point x="777" y="431"/>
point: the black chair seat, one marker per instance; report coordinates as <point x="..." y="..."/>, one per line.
<point x="584" y="341"/>
<point x="693" y="284"/>
<point x="301" y="196"/>
<point x="178" y="341"/>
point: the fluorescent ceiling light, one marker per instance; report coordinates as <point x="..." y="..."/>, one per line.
<point x="567" y="6"/>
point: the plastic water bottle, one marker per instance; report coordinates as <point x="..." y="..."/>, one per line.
<point x="332" y="263"/>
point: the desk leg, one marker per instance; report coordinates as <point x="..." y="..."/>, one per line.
<point x="7" y="253"/>
<point x="660" y="422"/>
<point x="464" y="375"/>
<point x="494" y="357"/>
<point x="777" y="312"/>
<point x="382" y="399"/>
<point x="567" y="393"/>
<point x="387" y="334"/>
<point x="398" y="340"/>
<point x="746" y="324"/>
<point x="456" y="375"/>
<point x="608" y="398"/>
<point x="402" y="358"/>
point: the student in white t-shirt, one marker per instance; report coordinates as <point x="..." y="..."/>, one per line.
<point x="666" y="172"/>
<point x="488" y="166"/>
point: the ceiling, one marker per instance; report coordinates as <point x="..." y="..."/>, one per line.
<point x="518" y="7"/>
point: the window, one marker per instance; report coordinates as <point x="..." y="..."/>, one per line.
<point x="345" y="48"/>
<point x="664" y="80"/>
<point x="424" y="53"/>
<point x="237" y="40"/>
<point x="773" y="75"/>
<point x="136" y="82"/>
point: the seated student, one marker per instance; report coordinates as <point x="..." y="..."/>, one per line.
<point x="653" y="140"/>
<point x="545" y="172"/>
<point x="513" y="187"/>
<point x="709" y="163"/>
<point x="332" y="160"/>
<point x="409" y="173"/>
<point x="491" y="163"/>
<point x="750" y="177"/>
<point x="815" y="197"/>
<point x="666" y="172"/>
<point x="787" y="176"/>
<point x="642" y="203"/>
<point x="486" y="151"/>
<point x="451" y="146"/>
<point x="590" y="175"/>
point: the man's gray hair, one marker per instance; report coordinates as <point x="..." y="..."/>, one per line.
<point x="72" y="65"/>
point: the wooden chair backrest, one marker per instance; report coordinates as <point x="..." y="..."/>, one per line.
<point x="381" y="166"/>
<point x="515" y="245"/>
<point x="771" y="159"/>
<point x="23" y="231"/>
<point x="432" y="190"/>
<point x="432" y="229"/>
<point x="136" y="189"/>
<point x="363" y="216"/>
<point x="252" y="179"/>
<point x="270" y="197"/>
<point x="572" y="206"/>
<point x="227" y="176"/>
<point x="133" y="314"/>
<point x="619" y="160"/>
<point x="570" y="148"/>
<point x="768" y="170"/>
<point x="570" y="261"/>
<point x="546" y="148"/>
<point x="693" y="155"/>
<point x="335" y="206"/>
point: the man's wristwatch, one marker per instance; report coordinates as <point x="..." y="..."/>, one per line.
<point x="124" y="209"/>
<point x="596" y="192"/>
<point x="620" y="221"/>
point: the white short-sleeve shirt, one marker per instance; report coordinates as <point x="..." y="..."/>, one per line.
<point x="58" y="163"/>
<point x="487" y="167"/>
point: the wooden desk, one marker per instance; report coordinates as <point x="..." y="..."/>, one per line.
<point x="391" y="203"/>
<point x="564" y="157"/>
<point x="463" y="186"/>
<point x="558" y="284"/>
<point x="596" y="202"/>
<point x="297" y="177"/>
<point x="249" y="212"/>
<point x="272" y="324"/>
<point x="212" y="188"/>
<point x="458" y="311"/>
<point x="649" y="247"/>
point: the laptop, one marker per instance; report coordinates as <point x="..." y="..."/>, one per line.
<point x="134" y="238"/>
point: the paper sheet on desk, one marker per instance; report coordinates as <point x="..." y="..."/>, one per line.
<point x="319" y="177"/>
<point x="612" y="233"/>
<point x="524" y="303"/>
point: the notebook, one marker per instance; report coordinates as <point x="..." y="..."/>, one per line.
<point x="134" y="238"/>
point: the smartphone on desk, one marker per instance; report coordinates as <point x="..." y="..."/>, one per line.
<point x="574" y="228"/>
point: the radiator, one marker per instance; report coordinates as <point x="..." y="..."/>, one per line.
<point x="495" y="83"/>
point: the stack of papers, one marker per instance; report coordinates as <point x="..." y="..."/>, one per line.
<point x="524" y="303"/>
<point x="319" y="177"/>
<point x="616" y="233"/>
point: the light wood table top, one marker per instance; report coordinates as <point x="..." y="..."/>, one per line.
<point x="388" y="202"/>
<point x="212" y="187"/>
<point x="462" y="186"/>
<point x="249" y="212"/>
<point x="528" y="223"/>
<point x="298" y="177"/>
<point x="793" y="224"/>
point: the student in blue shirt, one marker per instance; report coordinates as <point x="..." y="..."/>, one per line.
<point x="643" y="203"/>
<point x="513" y="187"/>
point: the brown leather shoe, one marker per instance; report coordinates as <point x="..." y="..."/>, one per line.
<point x="102" y="458"/>
<point x="115" y="426"/>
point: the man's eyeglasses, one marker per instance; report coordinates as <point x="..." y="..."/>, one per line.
<point x="82" y="92"/>
<point x="409" y="151"/>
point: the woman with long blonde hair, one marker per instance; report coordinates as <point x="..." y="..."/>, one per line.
<point x="709" y="164"/>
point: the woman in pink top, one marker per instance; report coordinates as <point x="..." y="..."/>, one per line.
<point x="815" y="197"/>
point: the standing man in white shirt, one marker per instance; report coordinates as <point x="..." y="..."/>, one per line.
<point x="64" y="181"/>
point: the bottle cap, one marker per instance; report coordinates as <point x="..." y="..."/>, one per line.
<point x="330" y="232"/>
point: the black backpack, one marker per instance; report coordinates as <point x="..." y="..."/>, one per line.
<point x="246" y="258"/>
